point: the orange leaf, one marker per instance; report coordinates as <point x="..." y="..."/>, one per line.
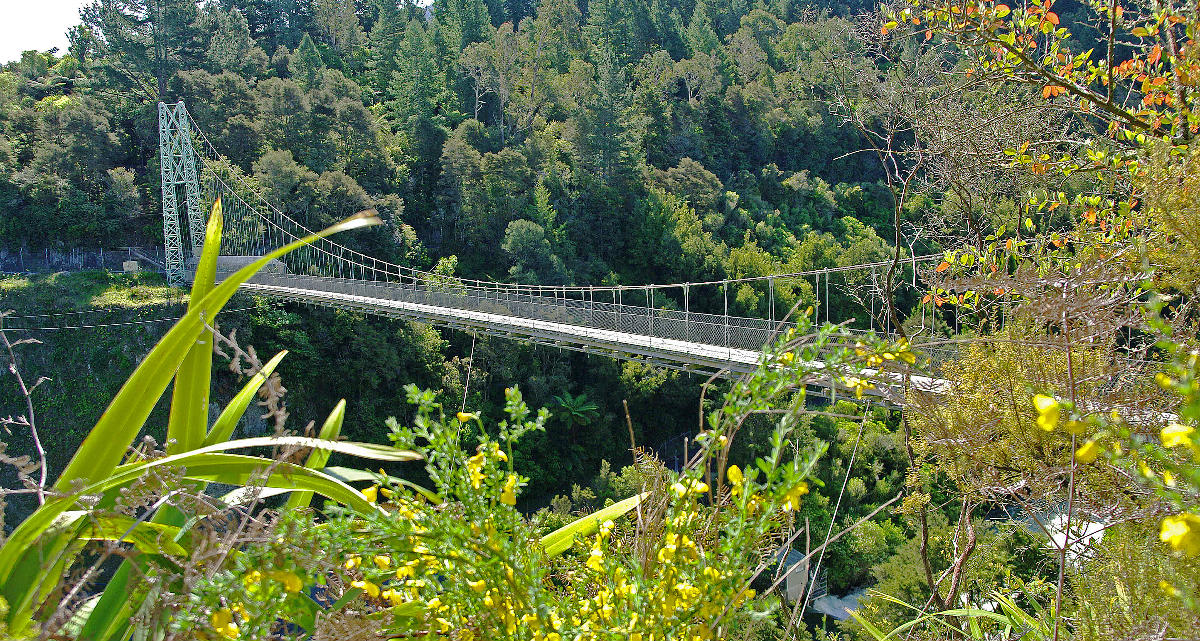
<point x="1052" y="17"/>
<point x="943" y="267"/>
<point x="1090" y="216"/>
<point x="1008" y="244"/>
<point x="928" y="297"/>
<point x="939" y="301"/>
<point x="1002" y="8"/>
<point x="1046" y="91"/>
<point x="883" y="31"/>
<point x="928" y="34"/>
<point x="1155" y="54"/>
<point x="999" y="291"/>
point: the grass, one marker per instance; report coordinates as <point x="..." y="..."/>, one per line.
<point x="88" y="290"/>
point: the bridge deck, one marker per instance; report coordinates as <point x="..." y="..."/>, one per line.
<point x="539" y="319"/>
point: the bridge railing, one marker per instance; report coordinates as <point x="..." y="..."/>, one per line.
<point x="730" y="332"/>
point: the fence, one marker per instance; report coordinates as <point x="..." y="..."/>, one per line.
<point x="25" y="261"/>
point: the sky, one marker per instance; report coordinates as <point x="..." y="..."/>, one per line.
<point x="35" y="24"/>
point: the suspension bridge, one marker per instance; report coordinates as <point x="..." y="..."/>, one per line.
<point x="685" y="326"/>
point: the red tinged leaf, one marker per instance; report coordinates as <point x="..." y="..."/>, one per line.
<point x="928" y="34"/>
<point x="1052" y="18"/>
<point x="999" y="291"/>
<point x="928" y="297"/>
<point x="1155" y="54"/>
<point x="943" y="267"/>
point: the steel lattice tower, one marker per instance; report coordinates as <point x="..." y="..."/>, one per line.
<point x="178" y="159"/>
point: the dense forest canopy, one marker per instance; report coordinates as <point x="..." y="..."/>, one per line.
<point x="630" y="142"/>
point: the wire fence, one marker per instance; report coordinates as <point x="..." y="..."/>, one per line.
<point x="42" y="261"/>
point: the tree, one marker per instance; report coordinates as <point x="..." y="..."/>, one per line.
<point x="338" y="25"/>
<point x="384" y="43"/>
<point x="575" y="410"/>
<point x="306" y="65"/>
<point x="533" y="260"/>
<point x="145" y="42"/>
<point x="465" y="22"/>
<point x="231" y="48"/>
<point x="701" y="36"/>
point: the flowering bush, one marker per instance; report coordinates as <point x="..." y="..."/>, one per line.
<point x="459" y="560"/>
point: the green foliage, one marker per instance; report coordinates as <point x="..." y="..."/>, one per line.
<point x="35" y="555"/>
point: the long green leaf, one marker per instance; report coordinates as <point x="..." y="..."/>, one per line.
<point x="318" y="458"/>
<point x="222" y="428"/>
<point x="560" y="540"/>
<point x="188" y="420"/>
<point x="104" y="446"/>
<point x="147" y="537"/>
<point x="354" y="475"/>
<point x="205" y="464"/>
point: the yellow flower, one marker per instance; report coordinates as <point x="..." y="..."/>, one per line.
<point x="371" y="589"/>
<point x="371" y="493"/>
<point x="787" y="358"/>
<point x="353" y="562"/>
<point x="1168" y="478"/>
<point x="1177" y="434"/>
<point x="595" y="560"/>
<point x="1182" y="532"/>
<point x="222" y="622"/>
<point x="463" y="417"/>
<point x="734" y="474"/>
<point x="791" y="500"/>
<point x="252" y="579"/>
<point x="508" y="495"/>
<point x="1048" y="410"/>
<point x="1087" y="453"/>
<point x="477" y="586"/>
<point x="290" y="581"/>
<point x="1169" y="589"/>
<point x="382" y="561"/>
<point x="859" y="385"/>
<point x="475" y="470"/>
<point x="679" y="489"/>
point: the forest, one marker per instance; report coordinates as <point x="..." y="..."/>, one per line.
<point x="1043" y="153"/>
